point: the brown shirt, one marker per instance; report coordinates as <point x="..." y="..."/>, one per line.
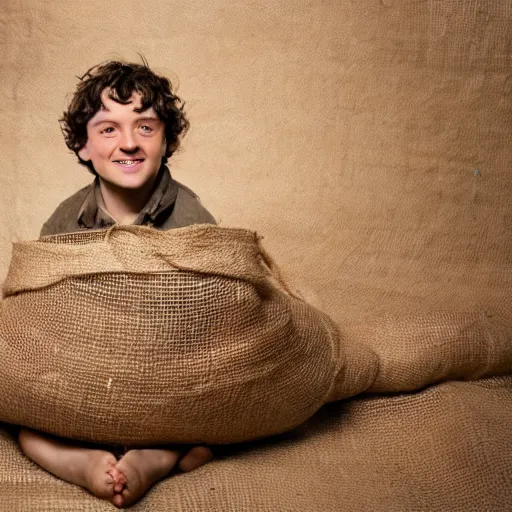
<point x="172" y="205"/>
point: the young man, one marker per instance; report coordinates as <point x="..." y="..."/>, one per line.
<point x="123" y="123"/>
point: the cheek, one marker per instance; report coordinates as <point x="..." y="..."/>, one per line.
<point x="102" y="148"/>
<point x="159" y="149"/>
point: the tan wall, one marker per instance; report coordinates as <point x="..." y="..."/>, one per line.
<point x="348" y="133"/>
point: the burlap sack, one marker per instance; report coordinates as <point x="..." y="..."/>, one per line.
<point x="136" y="336"/>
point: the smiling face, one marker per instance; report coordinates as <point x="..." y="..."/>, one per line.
<point x="124" y="146"/>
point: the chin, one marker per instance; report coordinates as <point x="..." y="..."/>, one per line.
<point x="133" y="182"/>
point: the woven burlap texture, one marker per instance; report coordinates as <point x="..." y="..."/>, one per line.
<point x="135" y="336"/>
<point x="444" y="449"/>
<point x="107" y="329"/>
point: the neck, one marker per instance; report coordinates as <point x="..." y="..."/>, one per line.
<point x="122" y="202"/>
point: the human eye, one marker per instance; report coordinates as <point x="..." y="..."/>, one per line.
<point x="108" y="130"/>
<point x="145" y="128"/>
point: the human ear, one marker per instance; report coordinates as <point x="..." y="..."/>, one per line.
<point x="163" y="147"/>
<point x="84" y="154"/>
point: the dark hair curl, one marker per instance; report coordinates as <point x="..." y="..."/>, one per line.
<point x="122" y="79"/>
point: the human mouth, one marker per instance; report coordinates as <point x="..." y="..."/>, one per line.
<point x="129" y="164"/>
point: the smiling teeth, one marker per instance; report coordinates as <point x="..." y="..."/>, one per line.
<point x="127" y="162"/>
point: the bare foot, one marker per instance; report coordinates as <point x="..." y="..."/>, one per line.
<point x="138" y="471"/>
<point x="97" y="474"/>
<point x="92" y="469"/>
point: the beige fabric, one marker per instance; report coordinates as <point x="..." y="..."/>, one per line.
<point x="200" y="248"/>
<point x="447" y="448"/>
<point x="188" y="335"/>
<point x="417" y="350"/>
<point x="370" y="143"/>
<point x="348" y="133"/>
<point x="146" y="336"/>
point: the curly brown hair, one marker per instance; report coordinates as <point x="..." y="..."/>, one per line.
<point x="123" y="79"/>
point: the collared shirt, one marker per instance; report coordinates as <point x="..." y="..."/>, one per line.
<point x="102" y="209"/>
<point x="171" y="205"/>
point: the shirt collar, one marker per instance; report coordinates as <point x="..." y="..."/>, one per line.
<point x="155" y="212"/>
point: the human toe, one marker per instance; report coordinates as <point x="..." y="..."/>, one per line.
<point x="195" y="457"/>
<point x="118" y="478"/>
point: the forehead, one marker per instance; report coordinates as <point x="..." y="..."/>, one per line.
<point x="112" y="109"/>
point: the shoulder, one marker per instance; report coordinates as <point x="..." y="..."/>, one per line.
<point x="64" y="218"/>
<point x="188" y="210"/>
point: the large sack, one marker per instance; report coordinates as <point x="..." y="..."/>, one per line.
<point x="137" y="336"/>
<point x="132" y="335"/>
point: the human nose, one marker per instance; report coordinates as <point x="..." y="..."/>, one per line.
<point x="127" y="143"/>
